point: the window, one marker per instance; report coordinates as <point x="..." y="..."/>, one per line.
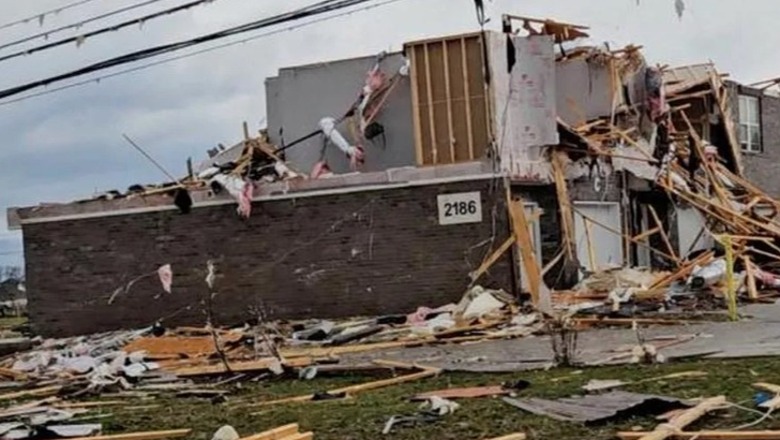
<point x="749" y="123"/>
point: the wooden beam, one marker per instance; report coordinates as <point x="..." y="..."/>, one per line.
<point x="728" y="121"/>
<point x="431" y="119"/>
<point x="492" y="258"/>
<point x="627" y="237"/>
<point x="678" y="422"/>
<point x="280" y="433"/>
<point x="664" y="236"/>
<point x="147" y="435"/>
<point x="751" y="278"/>
<point x="646" y="234"/>
<point x="418" y="141"/>
<point x="353" y="389"/>
<point x="37" y="392"/>
<point x="450" y="126"/>
<point x="526" y="248"/>
<point x="564" y="204"/>
<point x="591" y="250"/>
<point x="467" y="95"/>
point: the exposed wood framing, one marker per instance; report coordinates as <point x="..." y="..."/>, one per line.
<point x="526" y="247"/>
<point x="416" y="110"/>
<point x="450" y="101"/>
<point x="591" y="249"/>
<point x="429" y="97"/>
<point x="726" y="114"/>
<point x="664" y="235"/>
<point x="467" y="96"/>
<point x="564" y="203"/>
<point x="492" y="258"/>
<point x="448" y="94"/>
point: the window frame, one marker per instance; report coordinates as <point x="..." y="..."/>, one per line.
<point x="750" y="102"/>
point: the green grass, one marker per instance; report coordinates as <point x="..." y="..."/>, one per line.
<point x="364" y="416"/>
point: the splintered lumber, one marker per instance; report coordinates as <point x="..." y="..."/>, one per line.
<point x="37" y="392"/>
<point x="710" y="435"/>
<point x="146" y="435"/>
<point x="354" y="389"/>
<point x="12" y="374"/>
<point x="684" y="271"/>
<point x="685" y="418"/>
<point x="301" y="436"/>
<point x="491" y="260"/>
<point x="517" y="436"/>
<point x="238" y="367"/>
<point x="280" y="433"/>
<point x="564" y="203"/>
<point x="526" y="246"/>
<point x="664" y="236"/>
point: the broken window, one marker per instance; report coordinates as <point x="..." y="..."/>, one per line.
<point x="749" y="123"/>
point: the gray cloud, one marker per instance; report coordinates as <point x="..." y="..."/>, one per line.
<point x="68" y="145"/>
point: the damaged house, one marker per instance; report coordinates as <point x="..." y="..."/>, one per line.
<point x="520" y="160"/>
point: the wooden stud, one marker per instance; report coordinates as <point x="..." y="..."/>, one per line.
<point x="564" y="204"/>
<point x="148" y="435"/>
<point x="677" y="423"/>
<point x="352" y="389"/>
<point x="591" y="250"/>
<point x="646" y="234"/>
<point x="751" y="278"/>
<point x="467" y="95"/>
<point x="431" y="119"/>
<point x="37" y="392"/>
<point x="526" y="247"/>
<point x="616" y="232"/>
<point x="280" y="433"/>
<point x="663" y="234"/>
<point x="491" y="260"/>
<point x="683" y="272"/>
<point x="418" y="140"/>
<point x="728" y="121"/>
<point x="451" y="141"/>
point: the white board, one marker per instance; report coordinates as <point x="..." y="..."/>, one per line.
<point x="459" y="208"/>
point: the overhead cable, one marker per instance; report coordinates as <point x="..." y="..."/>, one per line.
<point x="77" y="25"/>
<point x="192" y="54"/>
<point x="313" y="10"/>
<point x="41" y="16"/>
<point x="79" y="39"/>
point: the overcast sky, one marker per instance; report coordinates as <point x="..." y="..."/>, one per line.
<point x="68" y="145"/>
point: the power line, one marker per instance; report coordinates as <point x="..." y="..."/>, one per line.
<point x="312" y="10"/>
<point x="40" y="16"/>
<point x="195" y="53"/>
<point x="47" y="34"/>
<point x="81" y="38"/>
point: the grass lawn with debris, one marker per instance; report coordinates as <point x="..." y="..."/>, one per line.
<point x="364" y="416"/>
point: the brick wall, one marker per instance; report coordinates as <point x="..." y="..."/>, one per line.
<point x="762" y="168"/>
<point x="358" y="253"/>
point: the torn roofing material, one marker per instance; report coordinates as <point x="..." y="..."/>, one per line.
<point x="597" y="408"/>
<point x="680" y="79"/>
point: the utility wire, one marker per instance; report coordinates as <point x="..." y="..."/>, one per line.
<point x="40" y="16"/>
<point x="78" y="39"/>
<point x="77" y="25"/>
<point x="312" y="10"/>
<point x="192" y="54"/>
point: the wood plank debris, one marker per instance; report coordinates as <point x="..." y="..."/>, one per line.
<point x="687" y="417"/>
